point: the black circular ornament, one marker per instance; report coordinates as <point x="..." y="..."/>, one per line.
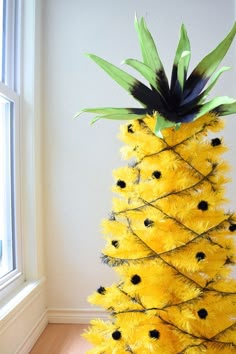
<point x="215" y="142"/>
<point x="136" y="279"/>
<point x="232" y="227"/>
<point x="115" y="243"/>
<point x="154" y="334"/>
<point x="156" y="174"/>
<point x="200" y="256"/>
<point x="202" y="313"/>
<point x="116" y="335"/>
<point x="121" y="183"/>
<point x="101" y="290"/>
<point x="129" y="129"/>
<point x="148" y="222"/>
<point x="203" y="205"/>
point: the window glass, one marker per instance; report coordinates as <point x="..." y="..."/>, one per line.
<point x="10" y="258"/>
<point x="7" y="254"/>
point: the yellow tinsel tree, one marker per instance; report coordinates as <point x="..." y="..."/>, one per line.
<point x="169" y="237"/>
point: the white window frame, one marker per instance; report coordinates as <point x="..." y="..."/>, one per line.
<point x="32" y="283"/>
<point x="10" y="89"/>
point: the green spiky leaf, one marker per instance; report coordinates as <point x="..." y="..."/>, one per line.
<point x="181" y="68"/>
<point x="148" y="48"/>
<point x="183" y="46"/>
<point x="208" y="65"/>
<point x="113" y="113"/>
<point x="213" y="104"/>
<point x="212" y="82"/>
<point x="104" y="110"/>
<point x="177" y="126"/>
<point x="145" y="71"/>
<point x="118" y="116"/>
<point x="226" y="109"/>
<point x="162" y="123"/>
<point x="121" y="77"/>
<point x="181" y="60"/>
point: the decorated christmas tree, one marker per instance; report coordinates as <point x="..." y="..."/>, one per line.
<point x="169" y="237"/>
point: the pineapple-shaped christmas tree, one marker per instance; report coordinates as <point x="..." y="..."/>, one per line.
<point x="168" y="237"/>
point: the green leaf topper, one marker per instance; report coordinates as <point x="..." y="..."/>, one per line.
<point x="183" y="99"/>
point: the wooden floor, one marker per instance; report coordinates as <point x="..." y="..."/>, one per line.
<point x="62" y="339"/>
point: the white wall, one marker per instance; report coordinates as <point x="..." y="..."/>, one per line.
<point x="78" y="159"/>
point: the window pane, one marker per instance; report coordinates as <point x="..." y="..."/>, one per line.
<point x="7" y="254"/>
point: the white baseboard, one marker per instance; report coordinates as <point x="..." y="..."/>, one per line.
<point x="82" y="316"/>
<point x="34" y="334"/>
<point x="58" y="315"/>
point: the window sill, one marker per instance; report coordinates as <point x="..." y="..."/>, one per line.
<point x="13" y="305"/>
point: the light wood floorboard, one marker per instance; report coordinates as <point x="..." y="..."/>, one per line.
<point x="62" y="339"/>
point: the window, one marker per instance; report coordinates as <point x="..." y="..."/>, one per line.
<point x="10" y="257"/>
<point x="7" y="237"/>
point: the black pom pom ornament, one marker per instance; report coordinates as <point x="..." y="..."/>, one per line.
<point x="148" y="222"/>
<point x="216" y="142"/>
<point x="101" y="290"/>
<point x="202" y="314"/>
<point x="135" y="279"/>
<point x="130" y="129"/>
<point x="156" y="174"/>
<point x="116" y="335"/>
<point x="154" y="334"/>
<point x="200" y="256"/>
<point x="121" y="184"/>
<point x="203" y="205"/>
<point x="115" y="243"/>
<point x="232" y="227"/>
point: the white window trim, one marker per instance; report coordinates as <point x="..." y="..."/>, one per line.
<point x="30" y="159"/>
<point x="10" y="90"/>
<point x="31" y="180"/>
<point x="13" y="35"/>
